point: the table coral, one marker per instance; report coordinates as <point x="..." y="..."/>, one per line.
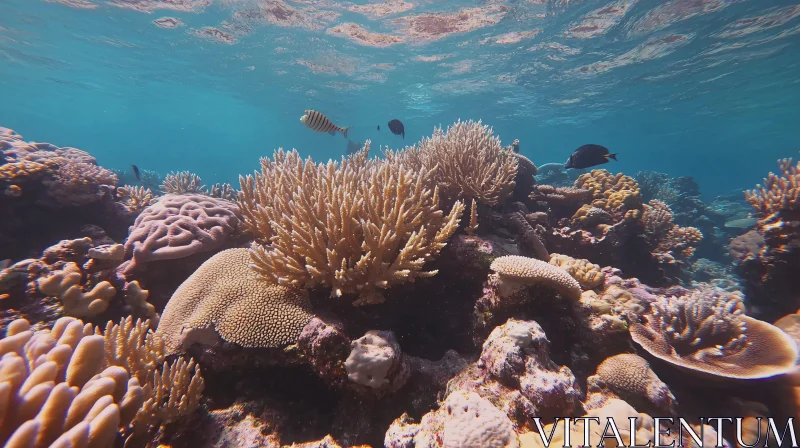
<point x="516" y="272"/>
<point x="177" y="226"/>
<point x="708" y="334"/>
<point x="224" y="296"/>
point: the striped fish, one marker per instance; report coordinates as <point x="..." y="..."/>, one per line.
<point x="317" y="122"/>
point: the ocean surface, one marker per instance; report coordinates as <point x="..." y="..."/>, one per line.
<point x="703" y="88"/>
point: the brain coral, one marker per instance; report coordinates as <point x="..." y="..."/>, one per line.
<point x="708" y="334"/>
<point x="225" y="295"/>
<point x="630" y="376"/>
<point x="516" y="271"/>
<point x="177" y="226"/>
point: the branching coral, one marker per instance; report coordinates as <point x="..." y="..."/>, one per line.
<point x="666" y="237"/>
<point x="135" y="199"/>
<point x="71" y="177"/>
<point x="709" y="334"/>
<point x="75" y="383"/>
<point x="469" y="162"/>
<point x="224" y="296"/>
<point x="355" y="226"/>
<point x="224" y="191"/>
<point x="182" y="182"/>
<point x="779" y="193"/>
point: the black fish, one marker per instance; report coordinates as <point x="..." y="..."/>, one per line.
<point x="589" y="155"/>
<point x="379" y="127"/>
<point x="397" y="128"/>
<point x="137" y="173"/>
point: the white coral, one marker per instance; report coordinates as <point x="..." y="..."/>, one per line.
<point x="370" y="359"/>
<point x="473" y="422"/>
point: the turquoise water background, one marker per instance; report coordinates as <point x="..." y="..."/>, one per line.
<point x="706" y="88"/>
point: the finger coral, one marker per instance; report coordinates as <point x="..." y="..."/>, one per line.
<point x="77" y="301"/>
<point x="355" y="226"/>
<point x="709" y="334"/>
<point x="587" y="274"/>
<point x="469" y="162"/>
<point x="75" y="385"/>
<point x="224" y="295"/>
<point x="181" y="183"/>
<point x="176" y="226"/>
<point x="135" y="199"/>
<point x="517" y="272"/>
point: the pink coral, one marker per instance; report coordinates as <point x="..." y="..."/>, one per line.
<point x="178" y="226"/>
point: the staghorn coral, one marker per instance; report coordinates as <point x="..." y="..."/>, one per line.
<point x="473" y="219"/>
<point x="224" y="191"/>
<point x="516" y="272"/>
<point x="709" y="334"/>
<point x="355" y="226"/>
<point x="779" y="192"/>
<point x="182" y="182"/>
<point x="176" y="226"/>
<point x="587" y="274"/>
<point x="224" y="295"/>
<point x="135" y="199"/>
<point x="531" y="242"/>
<point x="74" y="383"/>
<point x="617" y="194"/>
<point x="469" y="162"/>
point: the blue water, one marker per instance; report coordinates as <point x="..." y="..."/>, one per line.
<point x="686" y="87"/>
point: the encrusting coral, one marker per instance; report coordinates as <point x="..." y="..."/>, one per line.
<point x="176" y="226"/>
<point x="587" y="274"/>
<point x="182" y="182"/>
<point x="224" y="295"/>
<point x="516" y="272"/>
<point x="74" y="385"/>
<point x="708" y="334"/>
<point x="468" y="160"/>
<point x="355" y="226"/>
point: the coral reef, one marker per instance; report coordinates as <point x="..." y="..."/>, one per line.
<point x="44" y="184"/>
<point x="556" y="295"/>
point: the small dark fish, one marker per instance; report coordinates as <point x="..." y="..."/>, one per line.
<point x="589" y="155"/>
<point x="137" y="173"/>
<point x="379" y="127"/>
<point x="515" y="146"/>
<point x="397" y="128"/>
